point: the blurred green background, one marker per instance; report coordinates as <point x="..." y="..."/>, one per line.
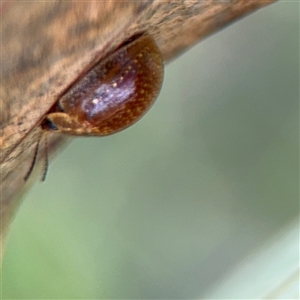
<point x="168" y="207"/>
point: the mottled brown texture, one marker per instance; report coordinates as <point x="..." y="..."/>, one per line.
<point x="47" y="45"/>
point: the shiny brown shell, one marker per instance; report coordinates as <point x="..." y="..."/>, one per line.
<point x="113" y="95"/>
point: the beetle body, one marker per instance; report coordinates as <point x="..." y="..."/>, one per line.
<point x="113" y="95"/>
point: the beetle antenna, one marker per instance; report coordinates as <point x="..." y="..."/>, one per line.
<point x="34" y="158"/>
<point x="46" y="162"/>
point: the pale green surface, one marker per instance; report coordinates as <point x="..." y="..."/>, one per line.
<point x="272" y="270"/>
<point x="168" y="207"/>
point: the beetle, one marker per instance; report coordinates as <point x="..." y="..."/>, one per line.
<point x="113" y="95"/>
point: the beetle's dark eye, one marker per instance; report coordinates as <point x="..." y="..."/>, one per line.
<point x="48" y="125"/>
